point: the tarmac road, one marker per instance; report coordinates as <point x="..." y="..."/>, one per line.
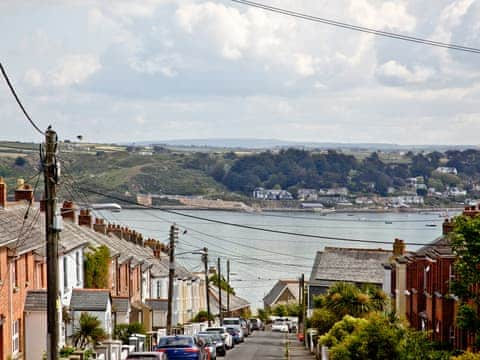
<point x="261" y="345"/>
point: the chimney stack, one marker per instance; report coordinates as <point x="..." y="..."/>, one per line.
<point x="67" y="211"/>
<point x="399" y="247"/>
<point x="23" y="191"/>
<point x="85" y="218"/>
<point x="447" y="227"/>
<point x="3" y="193"/>
<point x="100" y="226"/>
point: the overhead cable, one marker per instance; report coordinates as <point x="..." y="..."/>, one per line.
<point x="363" y="29"/>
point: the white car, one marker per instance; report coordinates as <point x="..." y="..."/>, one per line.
<point x="228" y="339"/>
<point x="280" y="325"/>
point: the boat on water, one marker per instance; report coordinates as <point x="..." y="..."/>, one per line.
<point x="114" y="207"/>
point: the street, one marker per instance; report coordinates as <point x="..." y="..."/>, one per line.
<point x="260" y="345"/>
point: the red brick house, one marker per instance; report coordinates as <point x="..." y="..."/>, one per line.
<point x="21" y="269"/>
<point x="427" y="301"/>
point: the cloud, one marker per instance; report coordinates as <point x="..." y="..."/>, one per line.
<point x="33" y="77"/>
<point x="392" y="72"/>
<point x="75" y="69"/>
<point x="190" y="68"/>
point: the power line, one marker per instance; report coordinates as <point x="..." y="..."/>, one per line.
<point x="363" y="29"/>
<point x="14" y="93"/>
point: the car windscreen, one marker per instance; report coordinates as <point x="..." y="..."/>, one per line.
<point x="166" y="342"/>
<point x="207" y="338"/>
<point x="215" y="331"/>
<point x="231" y="322"/>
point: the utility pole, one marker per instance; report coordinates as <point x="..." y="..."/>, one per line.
<point x="205" y="262"/>
<point x="301" y="296"/>
<point x="219" y="271"/>
<point x="304" y="308"/>
<point x="228" y="288"/>
<point x="171" y="276"/>
<point x="50" y="170"/>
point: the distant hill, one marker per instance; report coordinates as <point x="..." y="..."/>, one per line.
<point x="252" y="143"/>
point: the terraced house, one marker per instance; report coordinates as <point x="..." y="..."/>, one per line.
<point x="136" y="273"/>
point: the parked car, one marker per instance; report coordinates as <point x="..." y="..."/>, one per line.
<point x="210" y="344"/>
<point x="245" y="327"/>
<point x="182" y="347"/>
<point x="218" y="340"/>
<point x="235" y="333"/>
<point x="147" y="356"/>
<point x="280" y="325"/>
<point x="257" y="324"/>
<point x="227" y="338"/>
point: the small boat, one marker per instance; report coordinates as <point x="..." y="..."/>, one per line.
<point x="431" y="225"/>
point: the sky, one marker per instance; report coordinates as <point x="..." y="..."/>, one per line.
<point x="125" y="71"/>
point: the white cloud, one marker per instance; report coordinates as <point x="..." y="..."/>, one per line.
<point x="226" y="26"/>
<point x="304" y="64"/>
<point x="159" y="64"/>
<point x="388" y="14"/>
<point x="392" y="70"/>
<point x="75" y="69"/>
<point x="33" y="77"/>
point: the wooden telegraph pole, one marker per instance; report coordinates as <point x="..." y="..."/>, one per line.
<point x="52" y="227"/>
<point x="171" y="276"/>
<point x="219" y="274"/>
<point x="228" y="289"/>
<point x="205" y="263"/>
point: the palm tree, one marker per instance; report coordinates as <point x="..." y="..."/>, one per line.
<point x="88" y="332"/>
<point x="347" y="299"/>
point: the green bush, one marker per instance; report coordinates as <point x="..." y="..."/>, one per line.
<point x="124" y="331"/>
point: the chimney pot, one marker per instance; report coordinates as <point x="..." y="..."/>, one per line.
<point x="3" y="193"/>
<point x="23" y="191"/>
<point x="100" y="226"/>
<point x="67" y="211"/>
<point x="85" y="218"/>
<point x="447" y="227"/>
<point x="398" y="247"/>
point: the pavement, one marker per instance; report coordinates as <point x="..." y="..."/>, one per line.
<point x="261" y="345"/>
<point x="267" y="345"/>
<point x="296" y="349"/>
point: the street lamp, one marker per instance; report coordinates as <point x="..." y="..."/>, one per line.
<point x="204" y="253"/>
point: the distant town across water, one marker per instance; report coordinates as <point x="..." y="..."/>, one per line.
<point x="256" y="257"/>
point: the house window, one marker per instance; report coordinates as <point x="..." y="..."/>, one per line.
<point x="16" y="336"/>
<point x="27" y="275"/>
<point x="158" y="288"/>
<point x="65" y="277"/>
<point x="77" y="266"/>
<point x="15" y="273"/>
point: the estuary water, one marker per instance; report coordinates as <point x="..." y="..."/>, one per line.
<point x="259" y="258"/>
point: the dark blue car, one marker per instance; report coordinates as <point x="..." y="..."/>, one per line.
<point x="237" y="339"/>
<point x="182" y="347"/>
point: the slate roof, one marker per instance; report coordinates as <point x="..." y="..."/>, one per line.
<point x="120" y="304"/>
<point x="440" y="246"/>
<point x="236" y="302"/>
<point x="279" y="288"/>
<point x="157" y="304"/>
<point x="352" y="265"/>
<point x="89" y="300"/>
<point x="32" y="235"/>
<point x="36" y="300"/>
